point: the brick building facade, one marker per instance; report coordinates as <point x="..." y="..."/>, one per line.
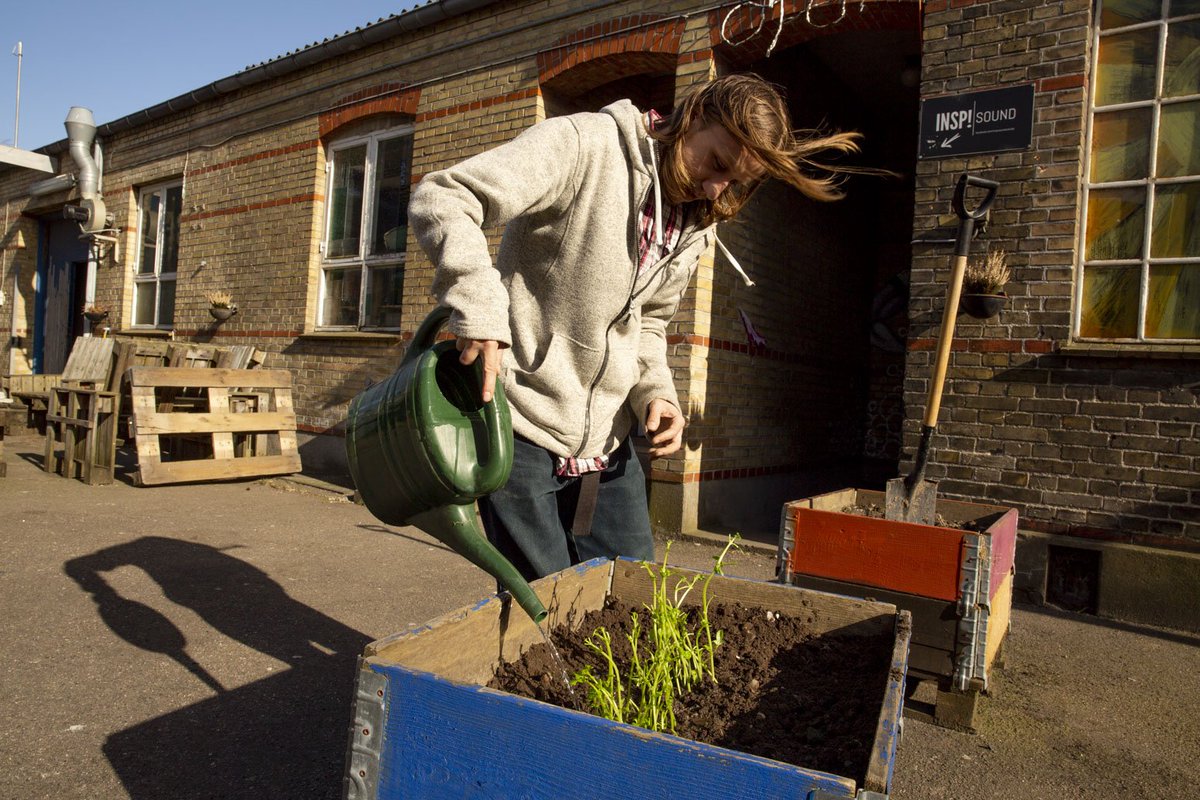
<point x="812" y="380"/>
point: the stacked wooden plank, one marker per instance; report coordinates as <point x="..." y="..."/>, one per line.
<point x="234" y="421"/>
<point x="242" y="418"/>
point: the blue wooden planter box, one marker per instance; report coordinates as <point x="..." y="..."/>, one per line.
<point x="426" y="726"/>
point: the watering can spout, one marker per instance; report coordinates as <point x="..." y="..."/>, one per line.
<point x="422" y="446"/>
<point x="456" y="526"/>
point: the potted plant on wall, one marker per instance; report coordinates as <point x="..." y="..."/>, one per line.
<point x="220" y="304"/>
<point x="95" y="312"/>
<point x="983" y="285"/>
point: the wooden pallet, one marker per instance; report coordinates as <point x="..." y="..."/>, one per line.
<point x="236" y="423"/>
<point x="81" y="434"/>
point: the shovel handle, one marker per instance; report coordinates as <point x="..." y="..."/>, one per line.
<point x="962" y="247"/>
<point x="960" y="196"/>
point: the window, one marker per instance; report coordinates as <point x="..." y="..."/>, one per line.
<point x="158" y="255"/>
<point x="362" y="272"/>
<point x="1140" y="276"/>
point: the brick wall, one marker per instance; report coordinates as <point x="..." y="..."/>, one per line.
<point x="1085" y="443"/>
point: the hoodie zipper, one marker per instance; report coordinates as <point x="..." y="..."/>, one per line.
<point x="622" y="315"/>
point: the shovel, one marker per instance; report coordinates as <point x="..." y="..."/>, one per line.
<point x="914" y="499"/>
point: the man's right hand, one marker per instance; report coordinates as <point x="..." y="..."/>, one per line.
<point x="472" y="349"/>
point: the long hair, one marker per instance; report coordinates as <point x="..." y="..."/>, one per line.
<point x="754" y="113"/>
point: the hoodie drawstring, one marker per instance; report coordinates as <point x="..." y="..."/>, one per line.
<point x="658" y="234"/>
<point x="732" y="260"/>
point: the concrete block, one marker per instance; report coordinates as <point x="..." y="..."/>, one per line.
<point x="1136" y="584"/>
<point x="1156" y="587"/>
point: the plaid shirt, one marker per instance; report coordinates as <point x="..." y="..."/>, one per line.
<point x="649" y="252"/>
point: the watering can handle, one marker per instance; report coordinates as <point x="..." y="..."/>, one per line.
<point x="499" y="425"/>
<point x="426" y="334"/>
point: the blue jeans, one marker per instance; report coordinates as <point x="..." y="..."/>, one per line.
<point x="529" y="518"/>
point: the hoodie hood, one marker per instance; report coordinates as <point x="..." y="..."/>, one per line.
<point x="644" y="152"/>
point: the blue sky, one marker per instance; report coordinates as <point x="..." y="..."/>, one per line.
<point x="117" y="58"/>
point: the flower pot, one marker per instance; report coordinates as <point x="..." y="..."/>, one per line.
<point x="221" y="313"/>
<point x="427" y="727"/>
<point x="95" y="316"/>
<point x="982" y="306"/>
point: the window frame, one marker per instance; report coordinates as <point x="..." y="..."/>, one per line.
<point x="1150" y="183"/>
<point x="157" y="276"/>
<point x="363" y="259"/>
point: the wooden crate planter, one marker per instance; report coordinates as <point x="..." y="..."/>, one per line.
<point x="426" y="725"/>
<point x="203" y="424"/>
<point x="956" y="583"/>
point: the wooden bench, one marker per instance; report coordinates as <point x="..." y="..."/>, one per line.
<point x="88" y="366"/>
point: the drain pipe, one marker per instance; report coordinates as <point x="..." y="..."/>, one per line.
<point x="52" y="185"/>
<point x="81" y="135"/>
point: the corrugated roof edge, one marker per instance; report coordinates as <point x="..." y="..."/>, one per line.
<point x="405" y="22"/>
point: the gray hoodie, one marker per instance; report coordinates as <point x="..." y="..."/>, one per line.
<point x="586" y="334"/>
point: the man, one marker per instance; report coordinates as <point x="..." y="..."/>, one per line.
<point x="605" y="216"/>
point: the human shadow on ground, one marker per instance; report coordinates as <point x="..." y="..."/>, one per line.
<point x="283" y="736"/>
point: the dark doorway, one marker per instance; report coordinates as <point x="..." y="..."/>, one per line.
<point x="62" y="288"/>
<point x="820" y="403"/>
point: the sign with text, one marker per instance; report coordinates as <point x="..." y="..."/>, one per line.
<point x="980" y="122"/>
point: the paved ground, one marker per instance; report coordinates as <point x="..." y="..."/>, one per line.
<point x="198" y="641"/>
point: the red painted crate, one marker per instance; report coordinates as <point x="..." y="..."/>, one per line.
<point x="957" y="583"/>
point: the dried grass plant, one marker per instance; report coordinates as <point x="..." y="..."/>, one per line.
<point x="987" y="275"/>
<point x="219" y="298"/>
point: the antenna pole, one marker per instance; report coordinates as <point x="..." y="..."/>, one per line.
<point x="17" y="119"/>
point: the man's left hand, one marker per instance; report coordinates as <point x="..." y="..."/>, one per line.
<point x="664" y="428"/>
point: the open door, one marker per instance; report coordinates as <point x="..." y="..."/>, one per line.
<point x="62" y="289"/>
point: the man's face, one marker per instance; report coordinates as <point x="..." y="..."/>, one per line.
<point x="714" y="160"/>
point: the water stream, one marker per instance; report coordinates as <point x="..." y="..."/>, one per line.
<point x="562" y="665"/>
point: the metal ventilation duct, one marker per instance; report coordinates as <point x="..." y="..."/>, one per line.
<point x="81" y="136"/>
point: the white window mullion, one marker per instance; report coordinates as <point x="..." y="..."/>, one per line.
<point x="367" y="228"/>
<point x="1151" y="190"/>
<point x="158" y="248"/>
<point x="1081" y="233"/>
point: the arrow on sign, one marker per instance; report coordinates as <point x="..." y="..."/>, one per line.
<point x="951" y="139"/>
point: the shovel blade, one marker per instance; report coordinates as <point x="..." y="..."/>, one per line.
<point x="918" y="505"/>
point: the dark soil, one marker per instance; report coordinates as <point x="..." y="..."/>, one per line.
<point x="781" y="693"/>
<point x="876" y="511"/>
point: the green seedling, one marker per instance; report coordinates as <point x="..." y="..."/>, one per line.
<point x="604" y="693"/>
<point x="675" y="660"/>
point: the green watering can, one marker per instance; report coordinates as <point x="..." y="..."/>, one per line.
<point x="422" y="447"/>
